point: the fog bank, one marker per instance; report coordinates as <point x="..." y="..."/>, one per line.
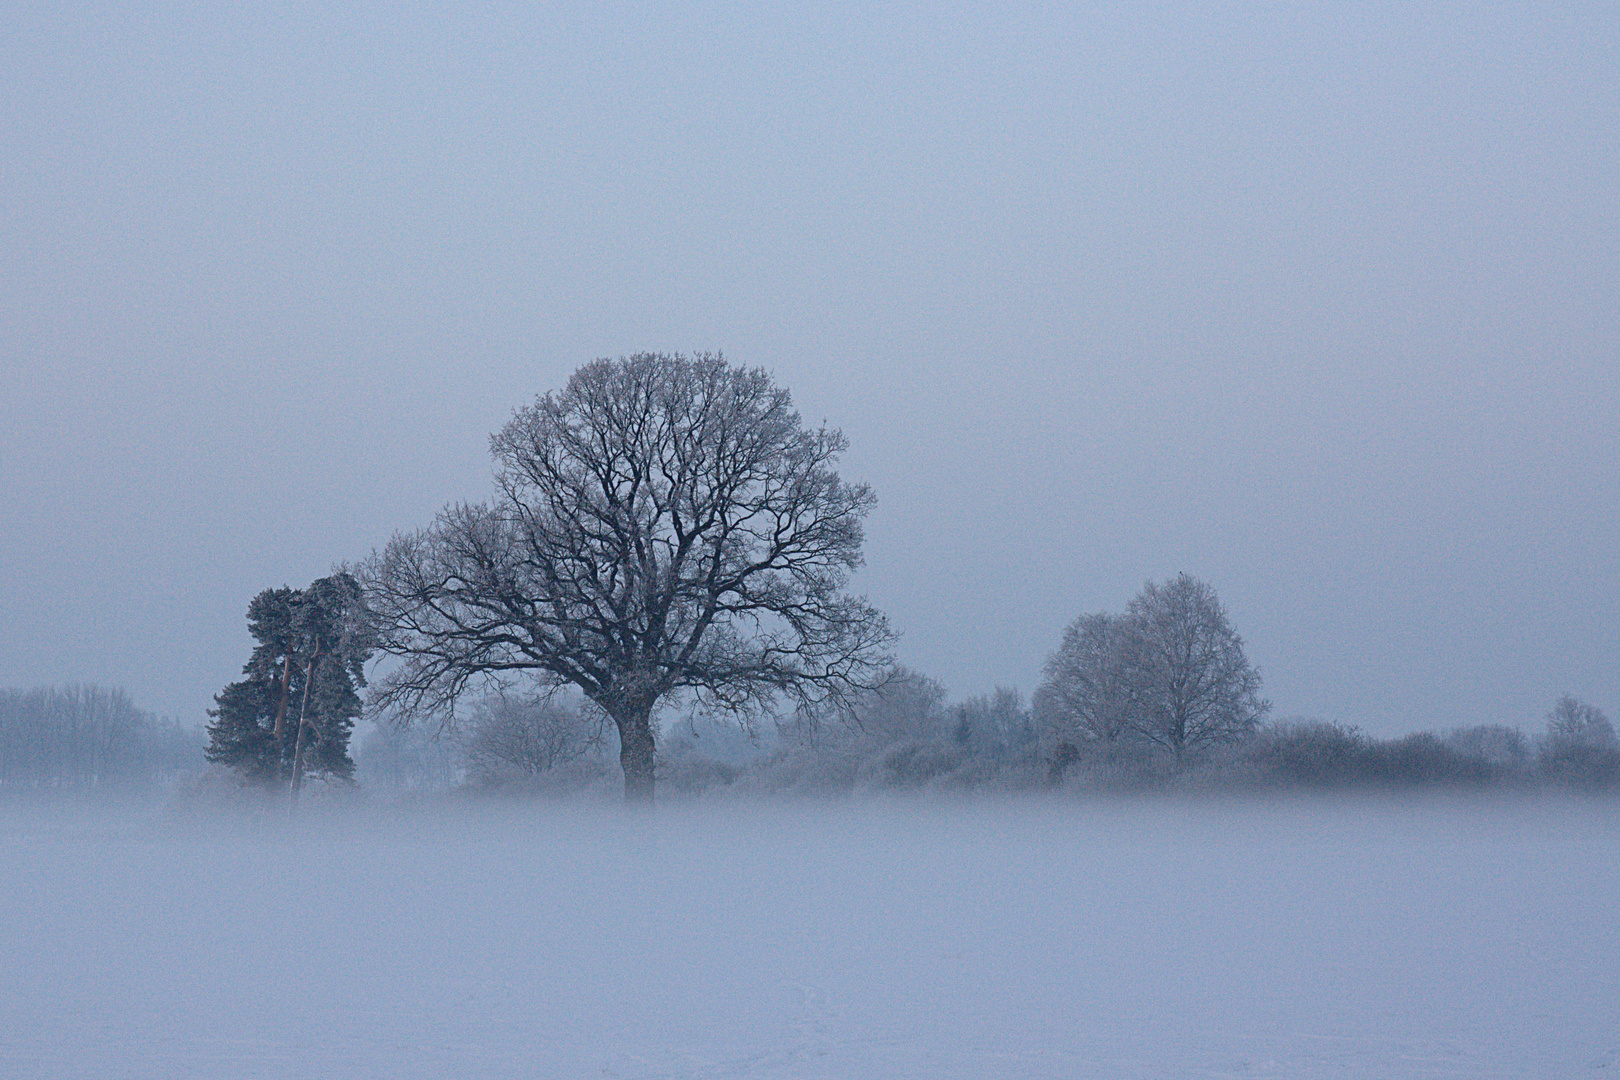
<point x="1031" y="938"/>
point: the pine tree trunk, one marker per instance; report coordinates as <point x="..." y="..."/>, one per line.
<point x="636" y="754"/>
<point x="303" y="721"/>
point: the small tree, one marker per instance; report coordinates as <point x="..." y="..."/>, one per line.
<point x="1573" y="720"/>
<point x="526" y="735"/>
<point x="1086" y="697"/>
<point x="1580" y="746"/>
<point x="663" y="526"/>
<point x="1170" y="672"/>
<point x="1190" y="684"/>
<point x="992" y="725"/>
<point x="296" y="709"/>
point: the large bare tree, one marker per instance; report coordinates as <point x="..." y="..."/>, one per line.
<point x="663" y="524"/>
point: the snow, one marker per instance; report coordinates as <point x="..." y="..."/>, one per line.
<point x="1210" y="937"/>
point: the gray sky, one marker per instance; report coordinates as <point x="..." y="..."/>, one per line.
<point x="1318" y="302"/>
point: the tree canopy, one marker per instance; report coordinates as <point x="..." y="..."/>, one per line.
<point x="662" y="525"/>
<point x="1170" y="672"/>
<point x="1191" y="683"/>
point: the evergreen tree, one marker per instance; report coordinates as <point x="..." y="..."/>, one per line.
<point x="295" y="710"/>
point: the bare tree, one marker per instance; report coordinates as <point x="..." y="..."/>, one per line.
<point x="528" y="735"/>
<point x="907" y="705"/>
<point x="1086" y="697"/>
<point x="663" y="525"/>
<point x="86" y="736"/>
<point x="994" y="725"/>
<point x="1580" y="745"/>
<point x="1574" y="721"/>
<point x="1190" y="683"/>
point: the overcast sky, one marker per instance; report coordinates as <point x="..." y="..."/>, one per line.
<point x="1320" y="303"/>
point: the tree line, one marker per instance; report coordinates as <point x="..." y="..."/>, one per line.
<point x="79" y="737"/>
<point x="668" y="535"/>
<point x="906" y="735"/>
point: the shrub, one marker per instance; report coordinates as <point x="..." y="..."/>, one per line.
<point x="914" y="764"/>
<point x="1504" y="750"/>
<point x="1418" y="759"/>
<point x="1580" y="764"/>
<point x="1311" y="753"/>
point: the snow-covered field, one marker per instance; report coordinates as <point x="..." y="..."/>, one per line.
<point x="1138" y="938"/>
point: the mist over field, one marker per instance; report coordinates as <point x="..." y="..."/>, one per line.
<point x="1358" y="937"/>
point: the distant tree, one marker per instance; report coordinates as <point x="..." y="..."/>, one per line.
<point x="664" y="526"/>
<point x="1059" y="739"/>
<point x="410" y="759"/>
<point x="1579" y="746"/>
<point x="826" y="749"/>
<point x="1505" y="750"/>
<point x="992" y="725"/>
<point x="86" y="736"/>
<point x="1086" y="696"/>
<point x="526" y="735"/>
<point x="1190" y="684"/>
<point x="907" y="706"/>
<point x="1573" y="720"/>
<point x="296" y="709"/>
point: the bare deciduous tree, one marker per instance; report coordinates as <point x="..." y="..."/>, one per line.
<point x="993" y="725"/>
<point x="527" y="735"/>
<point x="1191" y="684"/>
<point x="664" y="525"/>
<point x="1086" y="698"/>
<point x="1574" y="721"/>
<point x="1580" y="745"/>
<point x="86" y="736"/>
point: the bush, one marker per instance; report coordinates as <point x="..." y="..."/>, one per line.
<point x="1311" y="753"/>
<point x="1580" y="764"/>
<point x="915" y="764"/>
<point x="1124" y="765"/>
<point x="1505" y="750"/>
<point x="1421" y="759"/>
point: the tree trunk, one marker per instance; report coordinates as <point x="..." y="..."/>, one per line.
<point x="636" y="753"/>
<point x="303" y="721"/>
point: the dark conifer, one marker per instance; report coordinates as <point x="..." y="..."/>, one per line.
<point x="295" y="710"/>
